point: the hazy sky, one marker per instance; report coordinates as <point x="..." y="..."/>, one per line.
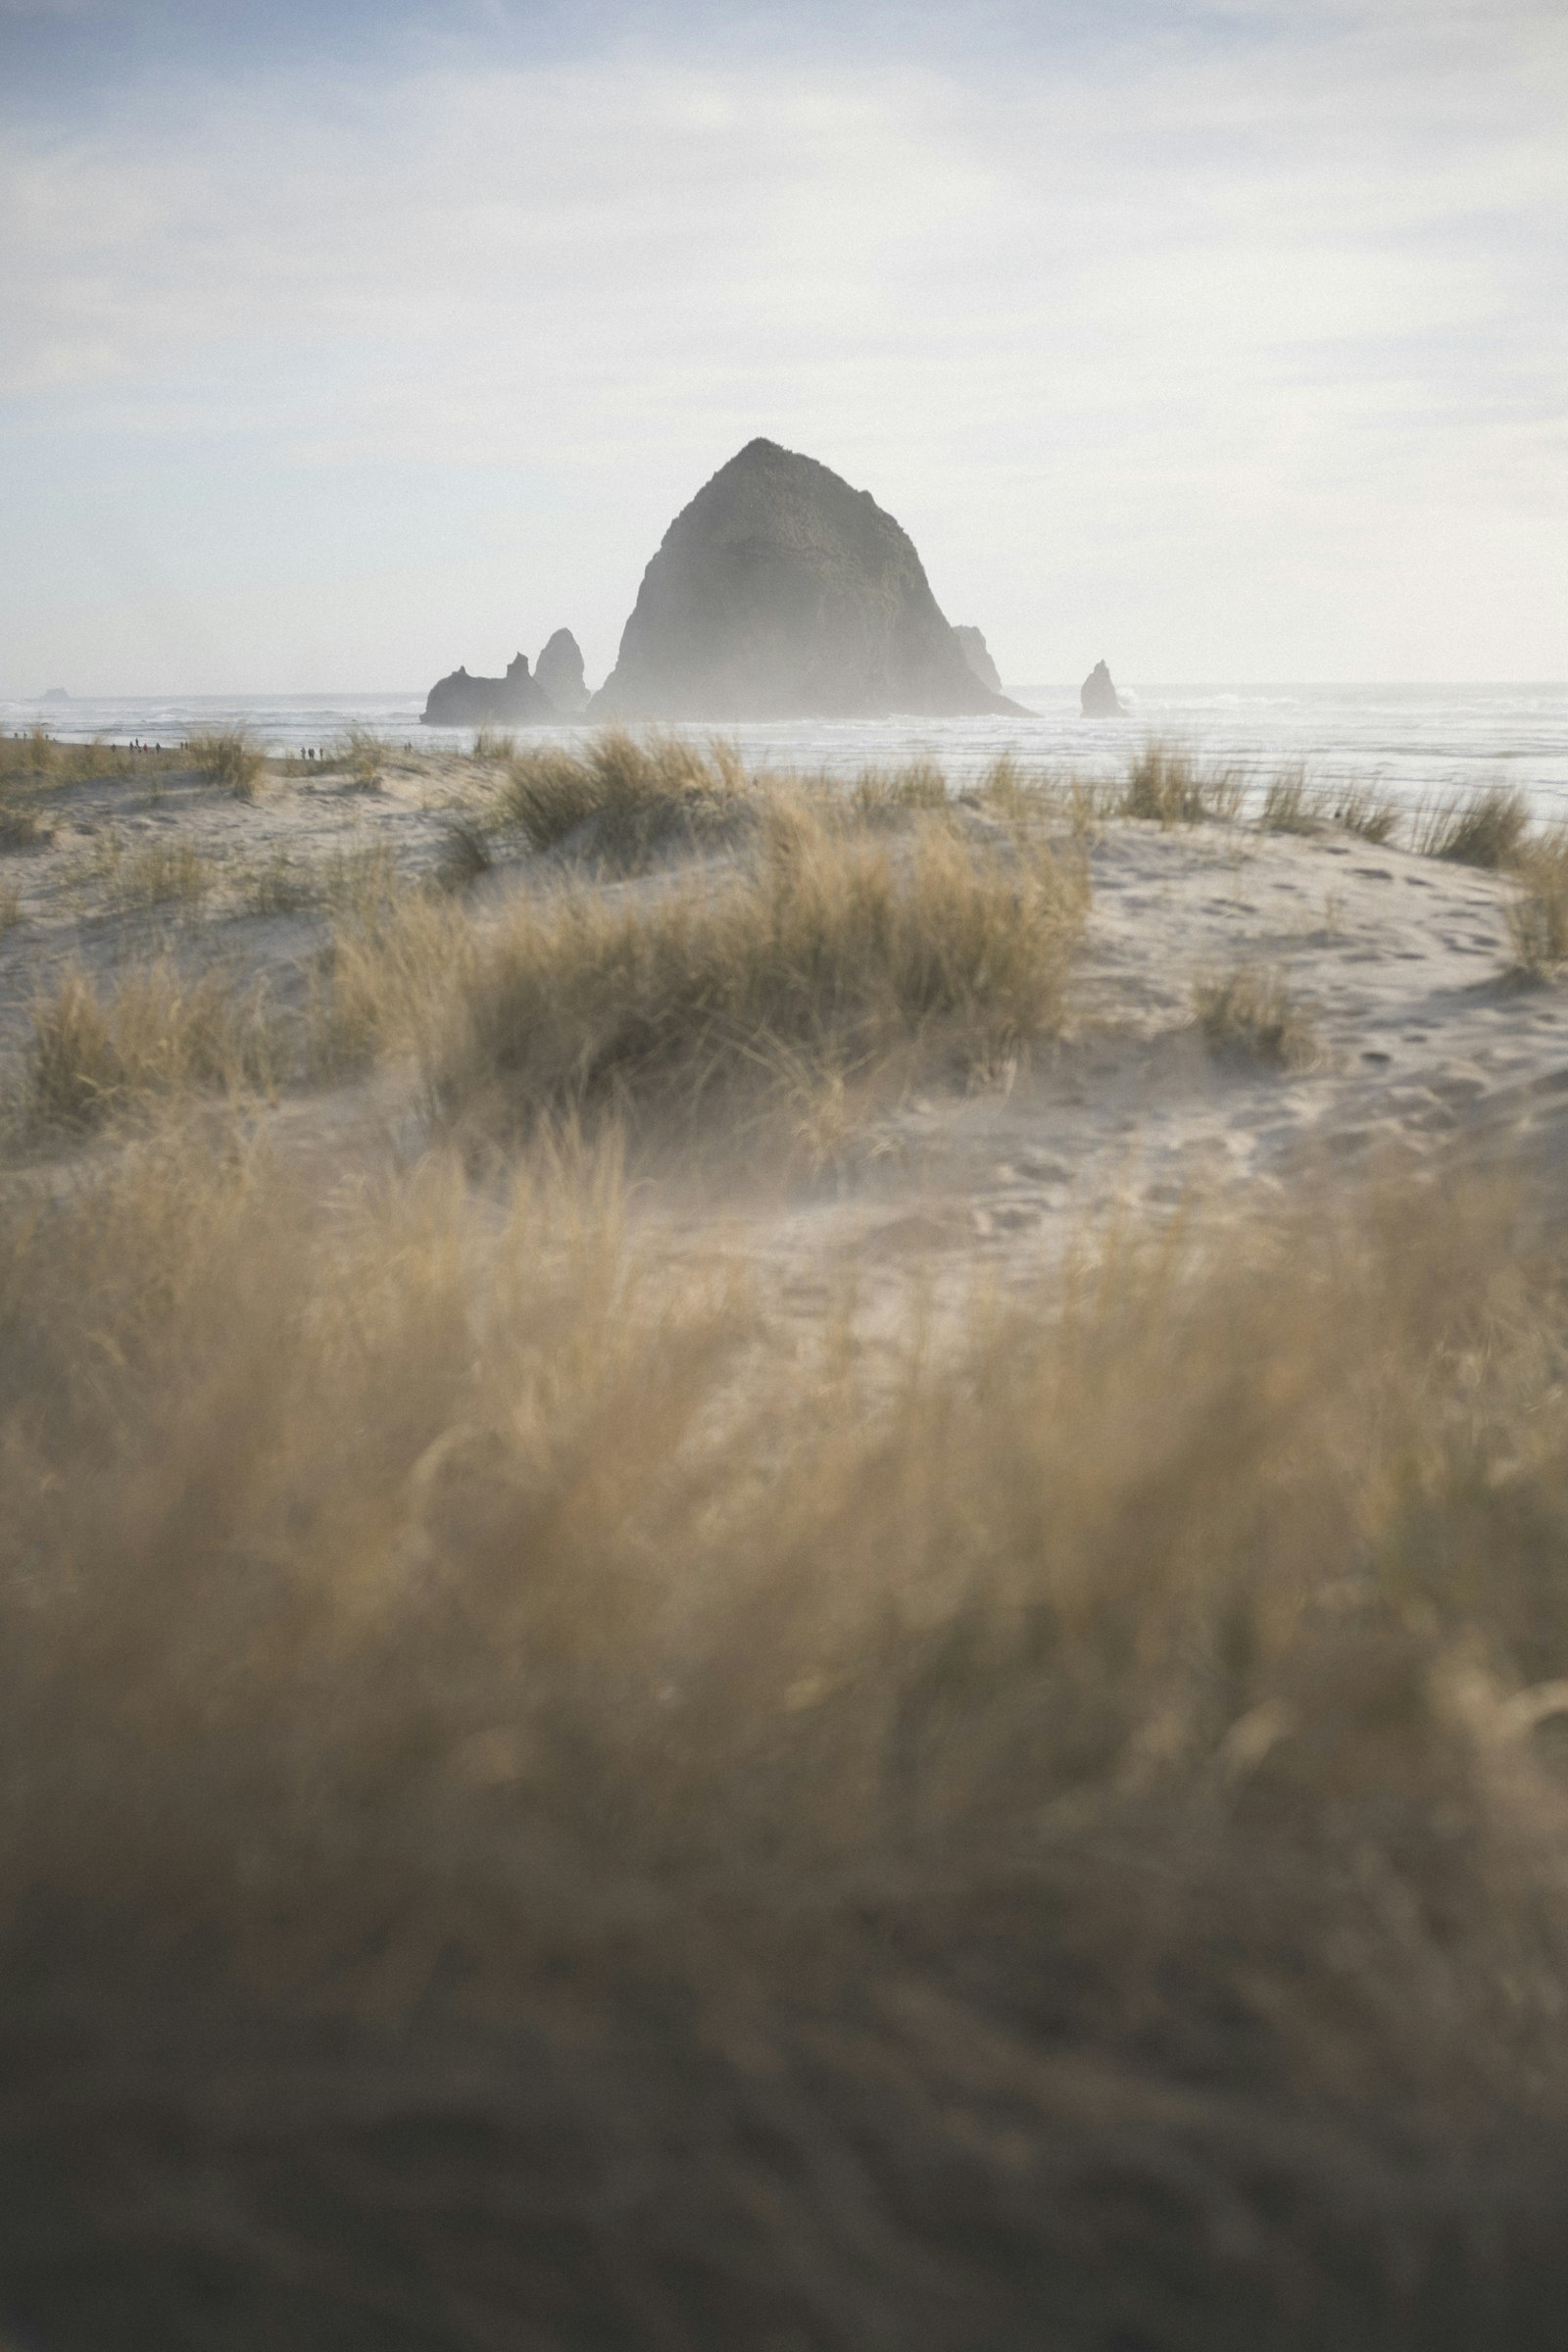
<point x="340" y="343"/>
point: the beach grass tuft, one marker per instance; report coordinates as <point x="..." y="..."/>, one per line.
<point x="1290" y="804"/>
<point x="159" y="873"/>
<point x="1488" y="829"/>
<point x="1021" y="796"/>
<point x="493" y="746"/>
<point x="918" y="785"/>
<point x="37" y="760"/>
<point x="387" y="975"/>
<point x="278" y="884"/>
<point x="832" y="944"/>
<point x="1166" y="785"/>
<point x="1367" y="810"/>
<point x="31" y="757"/>
<point x="467" y="855"/>
<point x="631" y="798"/>
<point x="229" y="758"/>
<point x="23" y="825"/>
<point x="98" y="1049"/>
<point x="1249" y="1014"/>
<point x="359" y="755"/>
<point x="1536" y="913"/>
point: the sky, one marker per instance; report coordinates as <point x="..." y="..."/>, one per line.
<point x="341" y="343"/>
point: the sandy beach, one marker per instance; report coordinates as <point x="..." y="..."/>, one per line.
<point x="758" y="1533"/>
<point x="1420" y="1046"/>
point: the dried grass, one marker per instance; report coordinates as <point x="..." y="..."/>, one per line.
<point x="467" y="855"/>
<point x="158" y="874"/>
<point x="359" y="755"/>
<point x="38" y="761"/>
<point x="1167" y="786"/>
<point x="1368" y="811"/>
<point x="98" y="1049"/>
<point x="631" y="799"/>
<point x="1537" y="914"/>
<point x="276" y="885"/>
<point x="231" y="759"/>
<point x="1290" y="804"/>
<point x="918" y="787"/>
<point x="30" y="759"/>
<point x="554" y="1794"/>
<point x="1488" y="828"/>
<point x="363" y="882"/>
<point x="1048" y="1823"/>
<point x="832" y="950"/>
<point x="387" y="980"/>
<point x="1008" y="789"/>
<point x="1021" y="796"/>
<point x="21" y="826"/>
<point x="837" y="950"/>
<point x="1249" y="1015"/>
<point x="135" y="874"/>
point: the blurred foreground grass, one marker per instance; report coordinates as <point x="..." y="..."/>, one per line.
<point x="550" y="1801"/>
<point x="554" y="1796"/>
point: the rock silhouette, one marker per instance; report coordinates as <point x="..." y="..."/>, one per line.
<point x="559" y="670"/>
<point x="556" y="690"/>
<point x="780" y="592"/>
<point x="1098" y="697"/>
<point x="459" y="700"/>
<point x="977" y="653"/>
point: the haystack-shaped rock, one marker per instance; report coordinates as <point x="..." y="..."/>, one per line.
<point x="559" y="670"/>
<point x="459" y="700"/>
<point x="782" y="593"/>
<point x="1099" y="698"/>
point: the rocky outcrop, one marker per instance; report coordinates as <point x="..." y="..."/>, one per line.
<point x="459" y="700"/>
<point x="977" y="653"/>
<point x="559" y="671"/>
<point x="782" y="593"/>
<point x="1098" y="697"/>
<point x="556" y="690"/>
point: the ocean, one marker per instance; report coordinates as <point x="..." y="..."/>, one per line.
<point x="1412" y="740"/>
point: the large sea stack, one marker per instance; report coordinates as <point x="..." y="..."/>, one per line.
<point x="977" y="653"/>
<point x="782" y="593"/>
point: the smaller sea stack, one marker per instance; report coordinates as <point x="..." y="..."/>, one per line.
<point x="559" y="671"/>
<point x="1098" y="697"/>
<point x="556" y="690"/>
<point x="459" y="700"/>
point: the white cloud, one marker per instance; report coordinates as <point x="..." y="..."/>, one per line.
<point x="1104" y="328"/>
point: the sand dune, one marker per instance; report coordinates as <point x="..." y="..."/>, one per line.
<point x="561" y="1795"/>
<point x="1419" y="1045"/>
